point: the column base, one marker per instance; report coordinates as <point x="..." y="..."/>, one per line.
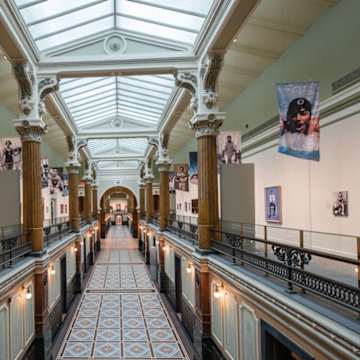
<point x="203" y="251"/>
<point x="78" y="282"/>
<point x="38" y="253"/>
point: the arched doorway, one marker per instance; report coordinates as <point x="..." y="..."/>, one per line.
<point x="118" y="207"/>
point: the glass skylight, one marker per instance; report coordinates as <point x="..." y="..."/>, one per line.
<point x="57" y="22"/>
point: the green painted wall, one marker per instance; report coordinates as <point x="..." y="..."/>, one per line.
<point x="7" y="129"/>
<point x="327" y="51"/>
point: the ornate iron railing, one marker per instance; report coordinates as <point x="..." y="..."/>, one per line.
<point x="155" y="220"/>
<point x="288" y="263"/>
<point x="56" y="231"/>
<point x="13" y="244"/>
<point x="184" y="230"/>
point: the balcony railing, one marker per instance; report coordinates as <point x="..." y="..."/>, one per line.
<point x="13" y="244"/>
<point x="155" y="220"/>
<point x="185" y="227"/>
<point x="55" y="229"/>
<point x="294" y="265"/>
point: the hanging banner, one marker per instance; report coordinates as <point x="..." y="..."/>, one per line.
<point x="299" y="109"/>
<point x="228" y="145"/>
<point x="193" y="169"/>
<point x="10" y="154"/>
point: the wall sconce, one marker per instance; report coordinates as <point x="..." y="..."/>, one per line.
<point x="218" y="292"/>
<point x="52" y="269"/>
<point x="165" y="247"/>
<point x="28" y="294"/>
<point x="75" y="248"/>
<point x="188" y="268"/>
<point x="157" y="242"/>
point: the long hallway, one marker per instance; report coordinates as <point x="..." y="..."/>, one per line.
<point x="121" y="315"/>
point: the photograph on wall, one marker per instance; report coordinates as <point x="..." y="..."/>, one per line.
<point x="193" y="168"/>
<point x="172" y="182"/>
<point x="10" y="154"/>
<point x="182" y="177"/>
<point x="299" y="110"/>
<point x="65" y="191"/>
<point x="228" y="147"/>
<point x="341" y="205"/>
<point x="56" y="180"/>
<point x="273" y="211"/>
<point x="44" y="173"/>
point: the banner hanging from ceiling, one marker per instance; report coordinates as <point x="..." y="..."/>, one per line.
<point x="299" y="109"/>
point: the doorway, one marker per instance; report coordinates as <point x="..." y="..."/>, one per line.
<point x="178" y="284"/>
<point x="63" y="284"/>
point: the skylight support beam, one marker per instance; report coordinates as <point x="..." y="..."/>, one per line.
<point x="116" y="134"/>
<point x="162" y="63"/>
<point x="63" y="13"/>
<point x="31" y="3"/>
<point x="170" y="8"/>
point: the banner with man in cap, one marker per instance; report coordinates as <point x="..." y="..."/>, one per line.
<point x="299" y="109"/>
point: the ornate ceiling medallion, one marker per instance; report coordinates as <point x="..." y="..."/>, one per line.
<point x="115" y="44"/>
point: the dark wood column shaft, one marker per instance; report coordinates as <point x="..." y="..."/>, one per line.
<point x="149" y="200"/>
<point x="87" y="201"/>
<point x="33" y="213"/>
<point x="208" y="189"/>
<point x="74" y="214"/>
<point x="94" y="201"/>
<point x="142" y="200"/>
<point x="164" y="197"/>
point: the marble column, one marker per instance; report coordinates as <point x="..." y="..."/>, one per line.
<point x="33" y="213"/>
<point x="208" y="220"/>
<point x="88" y="201"/>
<point x="149" y="197"/>
<point x="74" y="213"/>
<point x="94" y="189"/>
<point x="164" y="167"/>
<point x="142" y="199"/>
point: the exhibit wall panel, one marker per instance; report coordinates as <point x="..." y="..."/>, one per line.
<point x="188" y="281"/>
<point x="70" y="263"/>
<point x="53" y="284"/>
<point x="308" y="189"/>
<point x="10" y="209"/>
<point x="169" y="259"/>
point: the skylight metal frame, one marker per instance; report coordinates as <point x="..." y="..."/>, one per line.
<point x="184" y="20"/>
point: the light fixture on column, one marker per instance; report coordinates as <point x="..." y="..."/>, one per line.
<point x="75" y="249"/>
<point x="28" y="294"/>
<point x="218" y="291"/>
<point x="52" y="269"/>
<point x="188" y="268"/>
<point x="165" y="247"/>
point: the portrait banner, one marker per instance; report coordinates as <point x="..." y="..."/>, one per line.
<point x="182" y="177"/>
<point x="228" y="147"/>
<point x="10" y="154"/>
<point x="299" y="110"/>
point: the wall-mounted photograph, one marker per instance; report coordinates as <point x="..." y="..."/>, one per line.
<point x="171" y="182"/>
<point x="228" y="147"/>
<point x="341" y="204"/>
<point x="273" y="206"/>
<point x="10" y="154"/>
<point x="193" y="169"/>
<point x="182" y="177"/>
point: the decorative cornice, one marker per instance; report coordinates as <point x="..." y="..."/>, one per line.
<point x="30" y="133"/>
<point x="24" y="76"/>
<point x="47" y="85"/>
<point x="207" y="124"/>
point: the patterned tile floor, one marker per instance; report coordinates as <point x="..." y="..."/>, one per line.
<point x="128" y="321"/>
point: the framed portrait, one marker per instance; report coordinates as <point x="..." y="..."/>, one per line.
<point x="341" y="205"/>
<point x="182" y="177"/>
<point x="228" y="147"/>
<point x="10" y="153"/>
<point x="273" y="204"/>
<point x="193" y="169"/>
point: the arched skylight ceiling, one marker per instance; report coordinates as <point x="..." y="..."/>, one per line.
<point x="58" y="22"/>
<point x="117" y="102"/>
<point x="117" y="148"/>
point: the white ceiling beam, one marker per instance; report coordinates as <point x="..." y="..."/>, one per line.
<point x="162" y="63"/>
<point x="118" y="158"/>
<point x="116" y="134"/>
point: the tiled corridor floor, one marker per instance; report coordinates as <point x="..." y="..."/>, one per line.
<point x="121" y="315"/>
